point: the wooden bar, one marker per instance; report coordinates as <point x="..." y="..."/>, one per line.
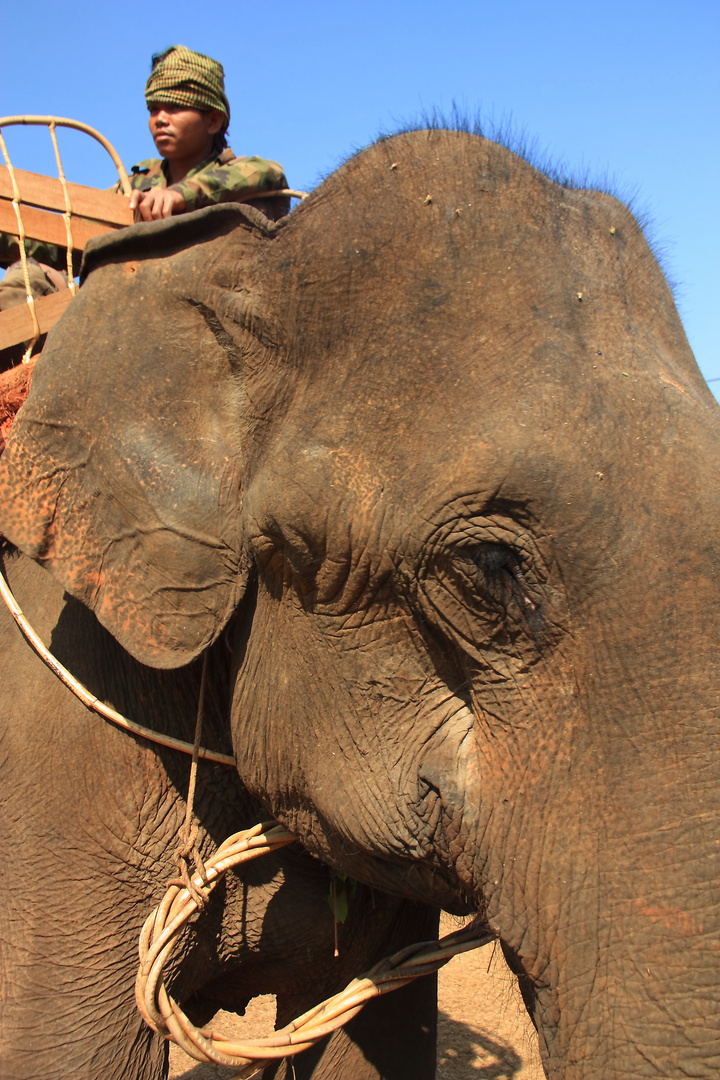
<point x="16" y="323"/>
<point x="47" y="192"/>
<point x="43" y="225"/>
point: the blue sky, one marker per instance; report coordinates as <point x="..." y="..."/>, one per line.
<point x="627" y="90"/>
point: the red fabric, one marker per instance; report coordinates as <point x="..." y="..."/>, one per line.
<point x="14" y="386"/>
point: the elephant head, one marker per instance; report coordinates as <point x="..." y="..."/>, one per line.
<point x="439" y="440"/>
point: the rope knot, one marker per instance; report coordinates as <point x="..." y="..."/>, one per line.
<point x="187" y="849"/>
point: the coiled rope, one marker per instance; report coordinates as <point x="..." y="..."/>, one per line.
<point x="184" y="898"/>
<point x="165" y="924"/>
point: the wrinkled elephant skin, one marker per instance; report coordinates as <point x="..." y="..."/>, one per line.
<point x="440" y="441"/>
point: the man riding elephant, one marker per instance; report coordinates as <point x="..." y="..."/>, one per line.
<point x="189" y="118"/>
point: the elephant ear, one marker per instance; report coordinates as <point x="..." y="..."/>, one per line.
<point x="123" y="471"/>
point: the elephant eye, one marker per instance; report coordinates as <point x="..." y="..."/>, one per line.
<point x="490" y="596"/>
<point x="495" y="572"/>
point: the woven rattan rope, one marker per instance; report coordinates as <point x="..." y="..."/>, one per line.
<point x="84" y="695"/>
<point x="277" y="192"/>
<point x="64" y="121"/>
<point x="23" y="254"/>
<point x="164" y="926"/>
<point x="67" y="216"/>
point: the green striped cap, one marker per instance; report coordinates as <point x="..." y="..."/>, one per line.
<point x="183" y="77"/>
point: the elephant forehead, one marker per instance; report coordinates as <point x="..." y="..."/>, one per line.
<point x="428" y="218"/>
<point x="435" y="260"/>
<point x="464" y="321"/>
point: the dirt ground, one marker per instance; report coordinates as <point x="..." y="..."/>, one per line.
<point x="484" y="1031"/>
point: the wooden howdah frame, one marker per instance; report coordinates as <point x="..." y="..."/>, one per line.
<point x="50" y="209"/>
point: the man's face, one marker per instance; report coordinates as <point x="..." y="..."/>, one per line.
<point x="179" y="132"/>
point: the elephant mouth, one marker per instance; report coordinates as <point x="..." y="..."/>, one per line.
<point x="433" y="887"/>
<point x="429" y="856"/>
<point x="420" y="881"/>
<point x="405" y="870"/>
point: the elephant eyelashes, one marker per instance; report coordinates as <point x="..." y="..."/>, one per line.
<point x="487" y="595"/>
<point x="477" y="593"/>
<point x="499" y="578"/>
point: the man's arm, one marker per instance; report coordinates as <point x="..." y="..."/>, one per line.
<point x="151" y="199"/>
<point x="233" y="182"/>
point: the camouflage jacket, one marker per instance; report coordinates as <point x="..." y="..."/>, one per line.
<point x="36" y="249"/>
<point x="220" y="178"/>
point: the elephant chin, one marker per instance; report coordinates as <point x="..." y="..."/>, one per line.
<point x="423" y="880"/>
<point x="425" y="883"/>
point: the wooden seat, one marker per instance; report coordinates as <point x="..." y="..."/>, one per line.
<point x="42" y="208"/>
<point x="43" y="203"/>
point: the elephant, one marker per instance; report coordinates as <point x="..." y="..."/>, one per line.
<point x="434" y="454"/>
<point x="89" y="818"/>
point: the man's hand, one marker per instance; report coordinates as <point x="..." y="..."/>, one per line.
<point x="156" y="203"/>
